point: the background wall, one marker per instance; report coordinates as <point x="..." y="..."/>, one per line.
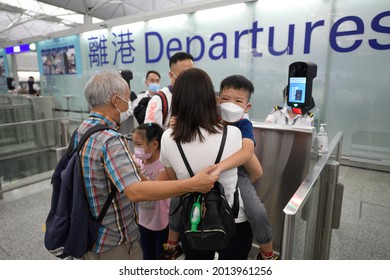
<point x="349" y="40"/>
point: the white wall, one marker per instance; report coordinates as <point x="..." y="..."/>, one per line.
<point x="27" y="61"/>
<point x="349" y="40"/>
<point x="27" y="65"/>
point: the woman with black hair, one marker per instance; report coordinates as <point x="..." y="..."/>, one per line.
<point x="200" y="133"/>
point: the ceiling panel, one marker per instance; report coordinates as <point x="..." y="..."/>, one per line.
<point x="30" y="20"/>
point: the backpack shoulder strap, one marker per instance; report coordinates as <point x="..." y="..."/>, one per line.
<point x="220" y="152"/>
<point x="71" y="143"/>
<point x="221" y="147"/>
<point x="88" y="133"/>
<point x="106" y="204"/>
<point x="236" y="201"/>
<point x="82" y="141"/>
<point x="164" y="103"/>
<point x="183" y="156"/>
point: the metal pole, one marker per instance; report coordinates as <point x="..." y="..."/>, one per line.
<point x="286" y="252"/>
<point x="1" y="192"/>
<point x="331" y="175"/>
<point x="65" y="132"/>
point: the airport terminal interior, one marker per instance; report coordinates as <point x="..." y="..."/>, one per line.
<point x="322" y="205"/>
<point x="360" y="222"/>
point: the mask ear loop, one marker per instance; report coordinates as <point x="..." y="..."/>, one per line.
<point x="128" y="104"/>
<point x="247" y="107"/>
<point x="149" y="134"/>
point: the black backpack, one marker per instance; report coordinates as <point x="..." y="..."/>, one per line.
<point x="213" y="219"/>
<point x="140" y="110"/>
<point x="70" y="228"/>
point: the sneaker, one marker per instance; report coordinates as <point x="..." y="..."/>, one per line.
<point x="169" y="254"/>
<point x="260" y="257"/>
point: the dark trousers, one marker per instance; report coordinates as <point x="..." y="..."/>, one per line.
<point x="151" y="242"/>
<point x="238" y="249"/>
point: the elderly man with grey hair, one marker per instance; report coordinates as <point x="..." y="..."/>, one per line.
<point x="107" y="163"/>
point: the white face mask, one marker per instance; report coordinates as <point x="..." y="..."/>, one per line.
<point x="123" y="116"/>
<point x="231" y="112"/>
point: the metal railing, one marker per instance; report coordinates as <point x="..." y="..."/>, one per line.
<point x="314" y="209"/>
<point x="28" y="150"/>
<point x="30" y="137"/>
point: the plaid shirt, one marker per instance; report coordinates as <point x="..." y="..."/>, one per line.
<point x="105" y="158"/>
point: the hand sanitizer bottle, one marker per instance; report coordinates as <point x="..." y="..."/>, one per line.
<point x="195" y="215"/>
<point x="322" y="140"/>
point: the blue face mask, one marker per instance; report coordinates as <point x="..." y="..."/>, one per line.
<point x="154" y="87"/>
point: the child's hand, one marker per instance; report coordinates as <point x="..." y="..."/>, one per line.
<point x="172" y="122"/>
<point x="143" y="176"/>
<point x="217" y="171"/>
<point x="140" y="174"/>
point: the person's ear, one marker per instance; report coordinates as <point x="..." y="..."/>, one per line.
<point x="248" y="107"/>
<point x="217" y="99"/>
<point x="155" y="144"/>
<point x="114" y="100"/>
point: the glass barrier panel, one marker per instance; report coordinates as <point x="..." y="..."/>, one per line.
<point x="27" y="148"/>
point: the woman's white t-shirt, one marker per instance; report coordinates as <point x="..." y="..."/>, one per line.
<point x="203" y="154"/>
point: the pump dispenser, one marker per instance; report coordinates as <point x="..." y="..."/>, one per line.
<point x="322" y="140"/>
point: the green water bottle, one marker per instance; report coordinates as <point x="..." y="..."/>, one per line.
<point x="195" y="215"/>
